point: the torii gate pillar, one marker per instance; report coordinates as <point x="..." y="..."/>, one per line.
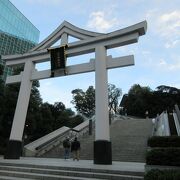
<point x="102" y="144"/>
<point x="15" y="141"/>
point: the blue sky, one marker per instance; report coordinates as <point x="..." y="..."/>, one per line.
<point x="157" y="57"/>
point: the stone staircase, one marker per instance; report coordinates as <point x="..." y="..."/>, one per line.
<point x="25" y="171"/>
<point x="129" y="139"/>
<point x="128" y="136"/>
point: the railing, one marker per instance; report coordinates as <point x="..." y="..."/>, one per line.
<point x="161" y="125"/>
<point x="55" y="138"/>
<point x="176" y="114"/>
<point x="47" y="146"/>
<point x="177" y="124"/>
<point x="154" y="125"/>
<point x="83" y="128"/>
<point x="51" y="141"/>
<point x="46" y="142"/>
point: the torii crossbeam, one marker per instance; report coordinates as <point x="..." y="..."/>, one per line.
<point x="88" y="42"/>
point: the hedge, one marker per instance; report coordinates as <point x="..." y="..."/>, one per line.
<point x="163" y="156"/>
<point x="165" y="141"/>
<point x="162" y="175"/>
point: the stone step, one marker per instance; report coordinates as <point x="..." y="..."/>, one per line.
<point x="13" y="178"/>
<point x="25" y="175"/>
<point x="129" y="141"/>
<point x="40" y="173"/>
<point x="128" y="137"/>
<point x="61" y="170"/>
<point x="122" y="158"/>
<point x="40" y="176"/>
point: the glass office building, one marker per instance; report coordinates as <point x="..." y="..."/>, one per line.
<point x="17" y="33"/>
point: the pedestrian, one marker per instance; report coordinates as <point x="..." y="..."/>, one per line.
<point x="75" y="149"/>
<point x="66" y="146"/>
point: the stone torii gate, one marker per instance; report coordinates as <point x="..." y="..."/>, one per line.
<point x="88" y="42"/>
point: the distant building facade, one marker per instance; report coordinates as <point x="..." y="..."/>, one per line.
<point x="17" y="34"/>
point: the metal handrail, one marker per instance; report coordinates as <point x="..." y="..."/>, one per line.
<point x="177" y="112"/>
<point x="49" y="143"/>
<point x="51" y="140"/>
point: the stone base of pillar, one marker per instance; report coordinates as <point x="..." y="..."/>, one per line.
<point x="102" y="152"/>
<point x="14" y="150"/>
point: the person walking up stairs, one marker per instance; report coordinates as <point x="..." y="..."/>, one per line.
<point x="66" y="146"/>
<point x="75" y="149"/>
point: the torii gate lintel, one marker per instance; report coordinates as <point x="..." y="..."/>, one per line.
<point x="90" y="42"/>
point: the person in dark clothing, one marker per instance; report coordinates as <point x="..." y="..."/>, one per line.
<point x="66" y="145"/>
<point x="75" y="148"/>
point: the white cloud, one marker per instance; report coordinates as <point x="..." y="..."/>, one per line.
<point x="177" y="85"/>
<point x="162" y="65"/>
<point x="165" y="25"/>
<point x="172" y="44"/>
<point x="169" y="24"/>
<point x="173" y="16"/>
<point x="166" y="66"/>
<point x="101" y="21"/>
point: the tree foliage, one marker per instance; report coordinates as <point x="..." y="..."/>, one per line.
<point x="167" y="89"/>
<point x="1" y="69"/>
<point x="42" y="118"/>
<point x="84" y="101"/>
<point x="141" y="99"/>
<point x="48" y="118"/>
<point x="114" y="94"/>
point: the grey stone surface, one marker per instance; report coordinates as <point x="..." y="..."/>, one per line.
<point x="50" y="168"/>
<point x="13" y="178"/>
<point x="129" y="141"/>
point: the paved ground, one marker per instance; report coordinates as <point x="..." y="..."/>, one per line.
<point x="124" y="166"/>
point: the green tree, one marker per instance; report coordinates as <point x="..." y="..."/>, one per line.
<point x="8" y="98"/>
<point x="70" y="112"/>
<point x="1" y="69"/>
<point x="42" y="118"/>
<point x="136" y="102"/>
<point x="75" y="120"/>
<point x="167" y="89"/>
<point x="114" y="94"/>
<point x="85" y="101"/>
<point x="139" y="99"/>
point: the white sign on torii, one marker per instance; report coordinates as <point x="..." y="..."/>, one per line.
<point x="88" y="42"/>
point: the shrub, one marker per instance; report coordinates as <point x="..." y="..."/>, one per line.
<point x="165" y="141"/>
<point x="163" y="156"/>
<point x="162" y="175"/>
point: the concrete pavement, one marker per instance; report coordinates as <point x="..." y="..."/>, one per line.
<point x="119" y="166"/>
